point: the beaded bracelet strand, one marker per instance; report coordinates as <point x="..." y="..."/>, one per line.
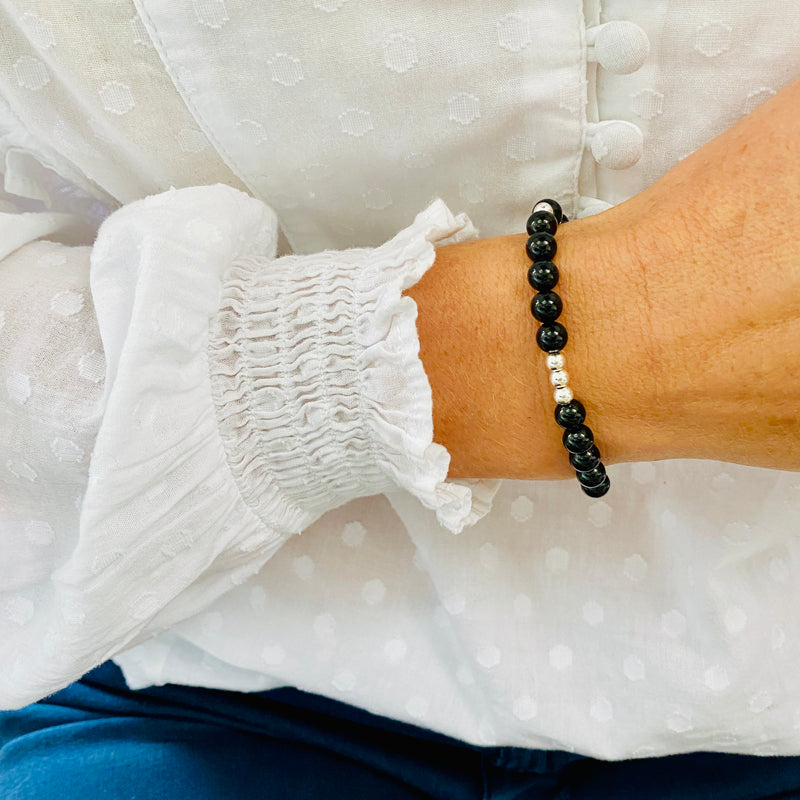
<point x="546" y="307"/>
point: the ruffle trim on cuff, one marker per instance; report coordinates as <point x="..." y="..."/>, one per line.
<point x="320" y="395"/>
<point x="394" y="384"/>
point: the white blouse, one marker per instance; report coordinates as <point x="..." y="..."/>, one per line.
<point x="210" y="211"/>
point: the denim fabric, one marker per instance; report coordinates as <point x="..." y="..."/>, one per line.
<point x="98" y="739"/>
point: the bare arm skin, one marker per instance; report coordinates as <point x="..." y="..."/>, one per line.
<point x="683" y="312"/>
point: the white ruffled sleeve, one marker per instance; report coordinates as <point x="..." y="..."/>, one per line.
<point x="320" y="393"/>
<point x="245" y="395"/>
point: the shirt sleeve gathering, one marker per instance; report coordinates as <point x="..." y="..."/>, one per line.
<point x="229" y="399"/>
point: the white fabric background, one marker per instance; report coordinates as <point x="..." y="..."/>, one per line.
<point x="659" y="619"/>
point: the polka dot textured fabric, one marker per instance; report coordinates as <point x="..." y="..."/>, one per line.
<point x="627" y="626"/>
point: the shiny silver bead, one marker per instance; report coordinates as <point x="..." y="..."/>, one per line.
<point x="555" y="361"/>
<point x="563" y="394"/>
<point x="559" y="377"/>
<point x="543" y="207"/>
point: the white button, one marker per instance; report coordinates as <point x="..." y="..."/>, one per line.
<point x="620" y="47"/>
<point x="615" y="144"/>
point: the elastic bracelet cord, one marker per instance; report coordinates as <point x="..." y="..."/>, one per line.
<point x="546" y="307"/>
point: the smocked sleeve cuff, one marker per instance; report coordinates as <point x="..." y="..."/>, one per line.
<point x="245" y="395"/>
<point x="320" y="393"/>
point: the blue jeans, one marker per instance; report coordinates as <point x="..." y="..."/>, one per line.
<point x="97" y="739"/>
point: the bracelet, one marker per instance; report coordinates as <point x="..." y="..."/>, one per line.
<point x="551" y="337"/>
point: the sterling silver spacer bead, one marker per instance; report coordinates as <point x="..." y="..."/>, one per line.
<point x="559" y="378"/>
<point x="555" y="361"/>
<point x="543" y="207"/>
<point x="563" y="395"/>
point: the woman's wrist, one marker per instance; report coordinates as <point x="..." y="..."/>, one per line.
<point x="683" y="311"/>
<point x="614" y="353"/>
<point x="492" y="399"/>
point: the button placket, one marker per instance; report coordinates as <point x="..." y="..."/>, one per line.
<point x="620" y="47"/>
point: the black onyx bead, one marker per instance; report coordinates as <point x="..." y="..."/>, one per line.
<point x="541" y="247"/>
<point x="557" y="212"/>
<point x="597" y="491"/>
<point x="542" y="222"/>
<point x="551" y="337"/>
<point x="570" y="415"/>
<point x="592" y="477"/>
<point x="578" y="440"/>
<point x="546" y="306"/>
<point x="583" y="462"/>
<point x="543" y="275"/>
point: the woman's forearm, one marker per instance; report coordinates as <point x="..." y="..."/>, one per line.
<point x="683" y="312"/>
